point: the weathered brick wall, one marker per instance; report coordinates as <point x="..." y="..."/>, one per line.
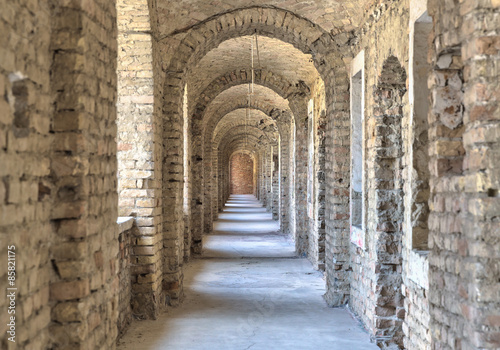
<point x="139" y="150"/>
<point x="84" y="290"/>
<point x="464" y="124"/>
<point x="337" y="164"/>
<point x="241" y="174"/>
<point x="384" y="293"/>
<point x="26" y="190"/>
<point x="415" y="240"/>
<point x="60" y="115"/>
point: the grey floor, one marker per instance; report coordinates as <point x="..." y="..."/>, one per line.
<point x="249" y="291"/>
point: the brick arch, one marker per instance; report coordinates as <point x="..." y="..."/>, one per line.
<point x="267" y="109"/>
<point x="277" y="83"/>
<point x="244" y="151"/>
<point x="203" y="126"/>
<point x="292" y="29"/>
<point x="223" y="122"/>
<point x="239" y="131"/>
<point x="270" y="22"/>
<point x="271" y="135"/>
<point x="230" y="145"/>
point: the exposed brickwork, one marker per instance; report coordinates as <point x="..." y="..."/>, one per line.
<point x="464" y="302"/>
<point x="138" y="153"/>
<point x="84" y="287"/>
<point x="241" y="174"/>
<point x="383" y="288"/>
<point x="146" y="109"/>
<point x="26" y="190"/>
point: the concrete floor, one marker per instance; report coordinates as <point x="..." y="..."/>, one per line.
<point x="249" y="291"/>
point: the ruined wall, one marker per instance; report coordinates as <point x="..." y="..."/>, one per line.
<point x="464" y="132"/>
<point x="241" y="174"/>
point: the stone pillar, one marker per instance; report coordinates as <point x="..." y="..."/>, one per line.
<point x="215" y="183"/>
<point x="197" y="172"/>
<point x="208" y="190"/>
<point x="301" y="155"/>
<point x="284" y="124"/>
<point x="268" y="178"/>
<point x="173" y="181"/>
<point x="276" y="181"/>
<point x="337" y="175"/>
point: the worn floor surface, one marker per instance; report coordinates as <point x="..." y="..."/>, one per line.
<point x="249" y="291"/>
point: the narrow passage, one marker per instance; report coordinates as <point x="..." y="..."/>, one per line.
<point x="249" y="291"/>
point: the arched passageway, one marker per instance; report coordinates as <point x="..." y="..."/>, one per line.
<point x="363" y="136"/>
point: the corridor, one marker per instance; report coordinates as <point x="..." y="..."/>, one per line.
<point x="249" y="291"/>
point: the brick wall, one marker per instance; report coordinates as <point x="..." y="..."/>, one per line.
<point x="388" y="284"/>
<point x="84" y="289"/>
<point x="464" y="124"/>
<point x="26" y="189"/>
<point x="139" y="152"/>
<point x="241" y="174"/>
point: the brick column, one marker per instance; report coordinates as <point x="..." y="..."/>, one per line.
<point x="84" y="289"/>
<point x="301" y="156"/>
<point x="139" y="149"/>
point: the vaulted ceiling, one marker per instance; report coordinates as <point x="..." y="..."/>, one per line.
<point x="331" y="15"/>
<point x="218" y="73"/>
